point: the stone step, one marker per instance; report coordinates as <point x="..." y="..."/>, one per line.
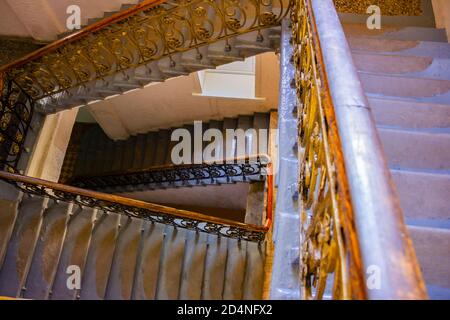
<point x="409" y="114"/>
<point x="432" y="247"/>
<point x="401" y="86"/>
<point x="418" y="67"/>
<point x="398" y="47"/>
<point x="418" y="149"/>
<point x="423" y="195"/>
<point x="396" y="32"/>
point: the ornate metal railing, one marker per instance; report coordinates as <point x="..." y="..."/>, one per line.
<point x="144" y="210"/>
<point x="246" y="168"/>
<point x="150" y="31"/>
<point x="16" y="111"/>
<point x="345" y="187"/>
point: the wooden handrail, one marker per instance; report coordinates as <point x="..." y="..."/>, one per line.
<point x="177" y="213"/>
<point x="144" y="5"/>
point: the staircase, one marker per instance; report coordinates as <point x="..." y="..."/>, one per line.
<point x="405" y="73"/>
<point x="120" y="257"/>
<point x="123" y="166"/>
<point x="113" y="8"/>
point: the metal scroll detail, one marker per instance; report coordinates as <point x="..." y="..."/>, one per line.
<point x="220" y="229"/>
<point x="157" y="32"/>
<point x="15" y="117"/>
<point x="208" y="172"/>
<point x="323" y="254"/>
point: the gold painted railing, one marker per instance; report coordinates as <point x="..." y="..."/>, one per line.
<point x="144" y="210"/>
<point x="351" y="222"/>
<point x="147" y="32"/>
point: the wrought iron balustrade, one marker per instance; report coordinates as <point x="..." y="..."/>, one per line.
<point x="344" y="184"/>
<point x="16" y="111"/>
<point x="148" y="32"/>
<point x="246" y="168"/>
<point x="144" y="210"/>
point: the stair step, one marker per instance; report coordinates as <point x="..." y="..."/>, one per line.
<point x="432" y="248"/>
<point x="147" y="266"/>
<point x="193" y="266"/>
<point x="162" y="146"/>
<point x="418" y="149"/>
<point x="406" y="113"/>
<point x="401" y="86"/>
<point x="100" y="256"/>
<point x="417" y="67"/>
<point x="254" y="274"/>
<point x="120" y="281"/>
<point x="48" y="249"/>
<point x="21" y="246"/>
<point x="235" y="269"/>
<point x="74" y="251"/>
<point x="396" y="33"/>
<point x="434" y="191"/>
<point x="215" y="265"/>
<point x="171" y="264"/>
<point x="398" y="47"/>
<point x="150" y="149"/>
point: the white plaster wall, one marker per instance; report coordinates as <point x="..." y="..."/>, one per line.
<point x="48" y="155"/>
<point x="441" y="10"/>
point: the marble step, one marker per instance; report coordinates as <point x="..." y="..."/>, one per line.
<point x="396" y="33"/>
<point x="432" y="246"/>
<point x="419" y="149"/>
<point x="394" y="111"/>
<point x="418" y="67"/>
<point x="400" y="47"/>
<point x="423" y="194"/>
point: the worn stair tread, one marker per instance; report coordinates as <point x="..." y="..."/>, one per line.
<point x="193" y="266"/>
<point x="400" y="47"/>
<point x="408" y="148"/>
<point x="434" y="191"/>
<point x="148" y="264"/>
<point x="432" y="247"/>
<point x="215" y="266"/>
<point x="254" y="273"/>
<point x="120" y="281"/>
<point x="21" y="246"/>
<point x="235" y="270"/>
<point x="399" y="85"/>
<point x="171" y="264"/>
<point x="408" y="66"/>
<point x="409" y="33"/>
<point x="74" y="251"/>
<point x="409" y="114"/>
<point x="48" y="250"/>
<point x="100" y="256"/>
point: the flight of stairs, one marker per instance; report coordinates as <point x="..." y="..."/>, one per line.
<point x="178" y="64"/>
<point x="119" y="257"/>
<point x="98" y="155"/>
<point x="115" y="6"/>
<point x="405" y="73"/>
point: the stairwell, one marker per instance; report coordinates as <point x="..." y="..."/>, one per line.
<point x="119" y="257"/>
<point x="405" y="72"/>
<point x="99" y="158"/>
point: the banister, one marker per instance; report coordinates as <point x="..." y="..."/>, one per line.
<point x="134" y="38"/>
<point x="232" y="167"/>
<point x="142" y="209"/>
<point x="144" y="5"/>
<point x="382" y="235"/>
